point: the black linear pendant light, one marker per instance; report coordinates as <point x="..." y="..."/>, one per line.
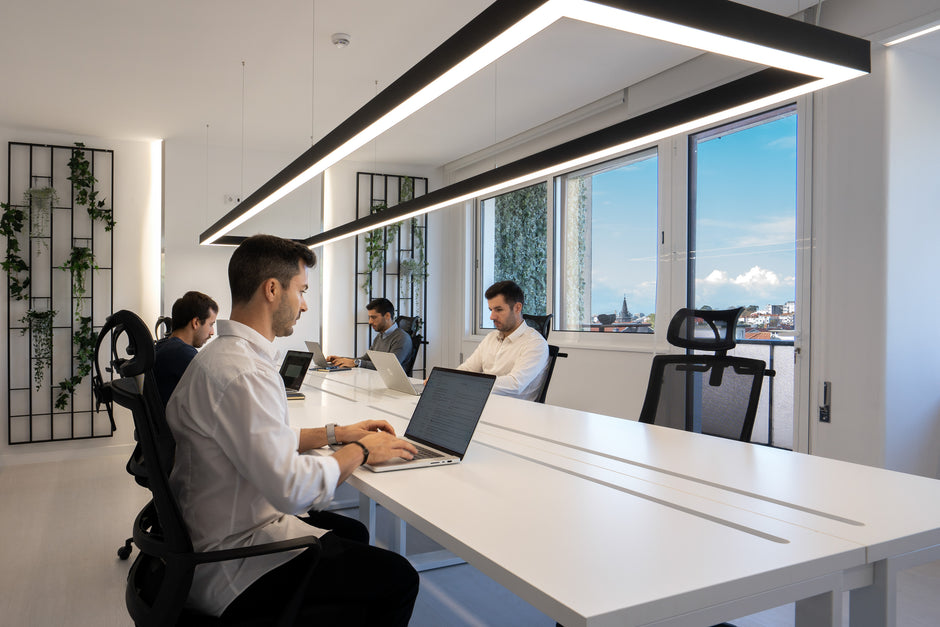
<point x="799" y="58"/>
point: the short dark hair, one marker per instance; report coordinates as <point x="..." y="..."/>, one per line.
<point x="510" y="291"/>
<point x="381" y="305"/>
<point x="263" y="257"/>
<point x="192" y="305"/>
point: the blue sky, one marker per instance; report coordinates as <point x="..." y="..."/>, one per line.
<point x="745" y="224"/>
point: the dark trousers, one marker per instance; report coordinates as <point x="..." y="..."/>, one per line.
<point x="352" y="584"/>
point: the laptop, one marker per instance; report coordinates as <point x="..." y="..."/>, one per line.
<point x="392" y="373"/>
<point x="444" y="420"/>
<point x="319" y="359"/>
<point x="293" y="371"/>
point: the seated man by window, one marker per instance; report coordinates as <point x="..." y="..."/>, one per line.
<point x="515" y="352"/>
<point x="241" y="479"/>
<point x="390" y="338"/>
<point x="194" y="317"/>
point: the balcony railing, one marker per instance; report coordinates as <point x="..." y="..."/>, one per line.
<point x="774" y="422"/>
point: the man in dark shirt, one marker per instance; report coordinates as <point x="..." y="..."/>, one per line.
<point x="193" y="324"/>
<point x="390" y="338"/>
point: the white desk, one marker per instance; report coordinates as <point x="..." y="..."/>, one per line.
<point x="602" y="521"/>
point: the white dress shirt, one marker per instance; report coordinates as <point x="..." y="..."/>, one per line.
<point x="238" y="476"/>
<point x="519" y="362"/>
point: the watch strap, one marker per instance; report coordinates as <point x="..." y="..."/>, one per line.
<point x="365" y="452"/>
<point x="331" y="434"/>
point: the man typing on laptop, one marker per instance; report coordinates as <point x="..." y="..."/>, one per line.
<point x="240" y="479"/>
<point x="390" y="338"/>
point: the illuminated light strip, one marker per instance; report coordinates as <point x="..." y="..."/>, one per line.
<point x="914" y="35"/>
<point x="829" y="56"/>
<point x="758" y="90"/>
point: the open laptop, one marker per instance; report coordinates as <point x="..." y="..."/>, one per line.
<point x="293" y="371"/>
<point x="319" y="359"/>
<point x="392" y="373"/>
<point x="444" y="420"/>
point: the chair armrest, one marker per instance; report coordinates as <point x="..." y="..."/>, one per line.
<point x="259" y="549"/>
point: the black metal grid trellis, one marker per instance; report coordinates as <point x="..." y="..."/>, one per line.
<point x="32" y="415"/>
<point x="409" y="241"/>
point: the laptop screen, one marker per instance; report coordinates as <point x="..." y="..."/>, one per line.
<point x="449" y="409"/>
<point x="294" y="369"/>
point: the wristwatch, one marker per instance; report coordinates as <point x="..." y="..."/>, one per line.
<point x="357" y="362"/>
<point x="331" y="434"/>
<point x="365" y="452"/>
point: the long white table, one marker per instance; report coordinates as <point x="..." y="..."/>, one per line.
<point x="603" y="521"/>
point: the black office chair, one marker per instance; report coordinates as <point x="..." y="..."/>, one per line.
<point x="542" y="324"/>
<point x="159" y="580"/>
<point x="553" y="354"/>
<point x="411" y="325"/>
<point x="409" y="363"/>
<point x="164" y="323"/>
<point x="713" y="394"/>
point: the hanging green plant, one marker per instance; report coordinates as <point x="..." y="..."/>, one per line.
<point x="83" y="186"/>
<point x="40" y="201"/>
<point x="407" y="190"/>
<point x="377" y="243"/>
<point x="11" y="225"/>
<point x="39" y="325"/>
<point x="83" y="342"/>
<point x="80" y="261"/>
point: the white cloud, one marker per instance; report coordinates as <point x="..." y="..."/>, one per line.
<point x="717" y="277"/>
<point x="755" y="278"/>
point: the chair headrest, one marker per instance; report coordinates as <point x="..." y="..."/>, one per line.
<point x="139" y="343"/>
<point x="704" y="329"/>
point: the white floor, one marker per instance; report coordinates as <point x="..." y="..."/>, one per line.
<point x="61" y="525"/>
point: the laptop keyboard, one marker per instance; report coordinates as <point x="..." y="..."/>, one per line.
<point x="425" y="453"/>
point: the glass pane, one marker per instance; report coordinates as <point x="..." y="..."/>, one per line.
<point x="608" y="245"/>
<point x="514" y="229"/>
<point x="742" y="243"/>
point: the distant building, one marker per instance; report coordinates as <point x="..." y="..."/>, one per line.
<point x="624" y="315"/>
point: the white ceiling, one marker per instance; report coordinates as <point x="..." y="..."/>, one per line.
<point x="144" y="70"/>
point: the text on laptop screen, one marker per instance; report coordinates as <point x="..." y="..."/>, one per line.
<point x="449" y="408"/>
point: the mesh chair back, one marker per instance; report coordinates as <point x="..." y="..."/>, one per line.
<point x="409" y="324"/>
<point x="409" y="364"/>
<point x="704" y="329"/>
<point x="553" y="355"/>
<point x="707" y="394"/>
<point x="542" y="324"/>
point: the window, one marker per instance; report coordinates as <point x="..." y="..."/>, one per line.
<point x="607" y="246"/>
<point x="514" y="246"/>
<point x="742" y="248"/>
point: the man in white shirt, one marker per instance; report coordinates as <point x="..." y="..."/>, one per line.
<point x="239" y="476"/>
<point x="515" y="352"/>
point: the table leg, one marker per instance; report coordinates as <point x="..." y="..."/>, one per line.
<point x="367" y="515"/>
<point x="822" y="610"/>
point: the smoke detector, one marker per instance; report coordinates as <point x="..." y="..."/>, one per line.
<point x="340" y="40"/>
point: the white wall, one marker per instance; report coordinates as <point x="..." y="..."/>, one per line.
<point x="912" y="384"/>
<point x="136" y="275"/>
<point x="196" y="184"/>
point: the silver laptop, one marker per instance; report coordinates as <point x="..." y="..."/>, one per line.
<point x="319" y="359"/>
<point x="444" y="420"/>
<point x="392" y="373"/>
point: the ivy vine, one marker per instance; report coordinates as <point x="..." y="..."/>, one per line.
<point x="377" y="242"/>
<point x="39" y="325"/>
<point x="11" y="225"/>
<point x="79" y="262"/>
<point x="83" y="185"/>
